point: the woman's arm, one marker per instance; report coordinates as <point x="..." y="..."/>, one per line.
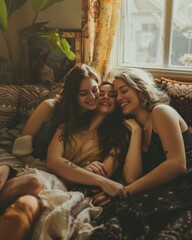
<point x="106" y="168"/>
<point x="167" y="123"/>
<point x="41" y="115"/>
<point x="71" y="172"/>
<point x="132" y="169"/>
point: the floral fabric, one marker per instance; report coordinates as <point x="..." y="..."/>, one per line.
<point x="180" y="95"/>
<point x="164" y="211"/>
<point x="99" y="22"/>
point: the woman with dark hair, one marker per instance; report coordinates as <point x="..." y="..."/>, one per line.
<point x="90" y="154"/>
<point x="80" y="93"/>
<point x="77" y="101"/>
<point x="157" y="166"/>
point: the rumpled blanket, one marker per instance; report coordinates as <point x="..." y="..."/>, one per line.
<point x="66" y="215"/>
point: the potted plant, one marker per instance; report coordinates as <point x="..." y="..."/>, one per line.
<point x="7" y="7"/>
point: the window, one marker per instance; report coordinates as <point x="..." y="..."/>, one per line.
<point x="155" y="34"/>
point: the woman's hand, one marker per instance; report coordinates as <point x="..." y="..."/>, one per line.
<point x="113" y="188"/>
<point x="132" y="125"/>
<point x="97" y="167"/>
<point x="101" y="199"/>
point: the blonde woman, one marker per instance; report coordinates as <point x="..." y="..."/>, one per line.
<point x="157" y="168"/>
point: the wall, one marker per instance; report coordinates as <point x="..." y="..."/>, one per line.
<point x="65" y="15"/>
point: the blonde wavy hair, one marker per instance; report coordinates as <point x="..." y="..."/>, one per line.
<point x="143" y="83"/>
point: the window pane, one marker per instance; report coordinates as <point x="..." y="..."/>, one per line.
<point x="143" y="32"/>
<point x="181" y="43"/>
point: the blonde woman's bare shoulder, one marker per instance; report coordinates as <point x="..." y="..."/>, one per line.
<point x="162" y="108"/>
<point x="164" y="114"/>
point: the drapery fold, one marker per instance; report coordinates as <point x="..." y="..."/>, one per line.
<point x="99" y="23"/>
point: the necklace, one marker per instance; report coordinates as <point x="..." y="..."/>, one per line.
<point x="146" y="124"/>
<point x="145" y="127"/>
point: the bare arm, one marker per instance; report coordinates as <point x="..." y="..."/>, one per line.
<point x="167" y="123"/>
<point x="132" y="169"/>
<point x="41" y="115"/>
<point x="105" y="168"/>
<point x="71" y="172"/>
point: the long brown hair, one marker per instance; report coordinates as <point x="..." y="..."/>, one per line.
<point x="68" y="111"/>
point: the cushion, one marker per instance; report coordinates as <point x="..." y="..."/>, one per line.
<point x="180" y="95"/>
<point x="9" y="105"/>
<point x="8" y="136"/>
<point x="22" y="146"/>
<point x="9" y="159"/>
<point x="31" y="97"/>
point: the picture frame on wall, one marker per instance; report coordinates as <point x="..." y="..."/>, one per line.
<point x="74" y="38"/>
<point x="47" y="63"/>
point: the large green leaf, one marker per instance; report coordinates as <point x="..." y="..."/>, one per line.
<point x="3" y="16"/>
<point x="58" y="42"/>
<point x="13" y="5"/>
<point x="40" y="5"/>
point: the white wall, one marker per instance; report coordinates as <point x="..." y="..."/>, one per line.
<point x="64" y="15"/>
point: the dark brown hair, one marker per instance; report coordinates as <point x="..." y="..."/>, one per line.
<point x="68" y="111"/>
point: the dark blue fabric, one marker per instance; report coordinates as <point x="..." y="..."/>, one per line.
<point x="43" y="138"/>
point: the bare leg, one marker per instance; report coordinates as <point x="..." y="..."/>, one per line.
<point x="27" y="184"/>
<point x="18" y="220"/>
<point x="4" y="173"/>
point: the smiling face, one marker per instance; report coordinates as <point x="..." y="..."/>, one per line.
<point x="107" y="99"/>
<point x="127" y="97"/>
<point x="88" y="94"/>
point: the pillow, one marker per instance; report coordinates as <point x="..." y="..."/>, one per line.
<point x="9" y="105"/>
<point x="22" y="146"/>
<point x="8" y="159"/>
<point x="180" y="95"/>
<point x="8" y="136"/>
<point x="31" y="97"/>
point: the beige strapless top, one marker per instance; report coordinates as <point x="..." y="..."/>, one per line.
<point x="88" y="152"/>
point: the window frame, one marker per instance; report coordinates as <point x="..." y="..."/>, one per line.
<point x="164" y="71"/>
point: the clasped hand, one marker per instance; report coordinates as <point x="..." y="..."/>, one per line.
<point x="97" y="167"/>
<point x="103" y="199"/>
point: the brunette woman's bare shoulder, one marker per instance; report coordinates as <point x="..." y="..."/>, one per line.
<point x="47" y="105"/>
<point x="50" y="102"/>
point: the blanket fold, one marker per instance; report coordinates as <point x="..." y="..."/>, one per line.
<point x="66" y="215"/>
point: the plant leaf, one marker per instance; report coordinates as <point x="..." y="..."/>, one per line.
<point x="13" y="5"/>
<point x="65" y="47"/>
<point x="58" y="42"/>
<point x="3" y="16"/>
<point x="40" y="5"/>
